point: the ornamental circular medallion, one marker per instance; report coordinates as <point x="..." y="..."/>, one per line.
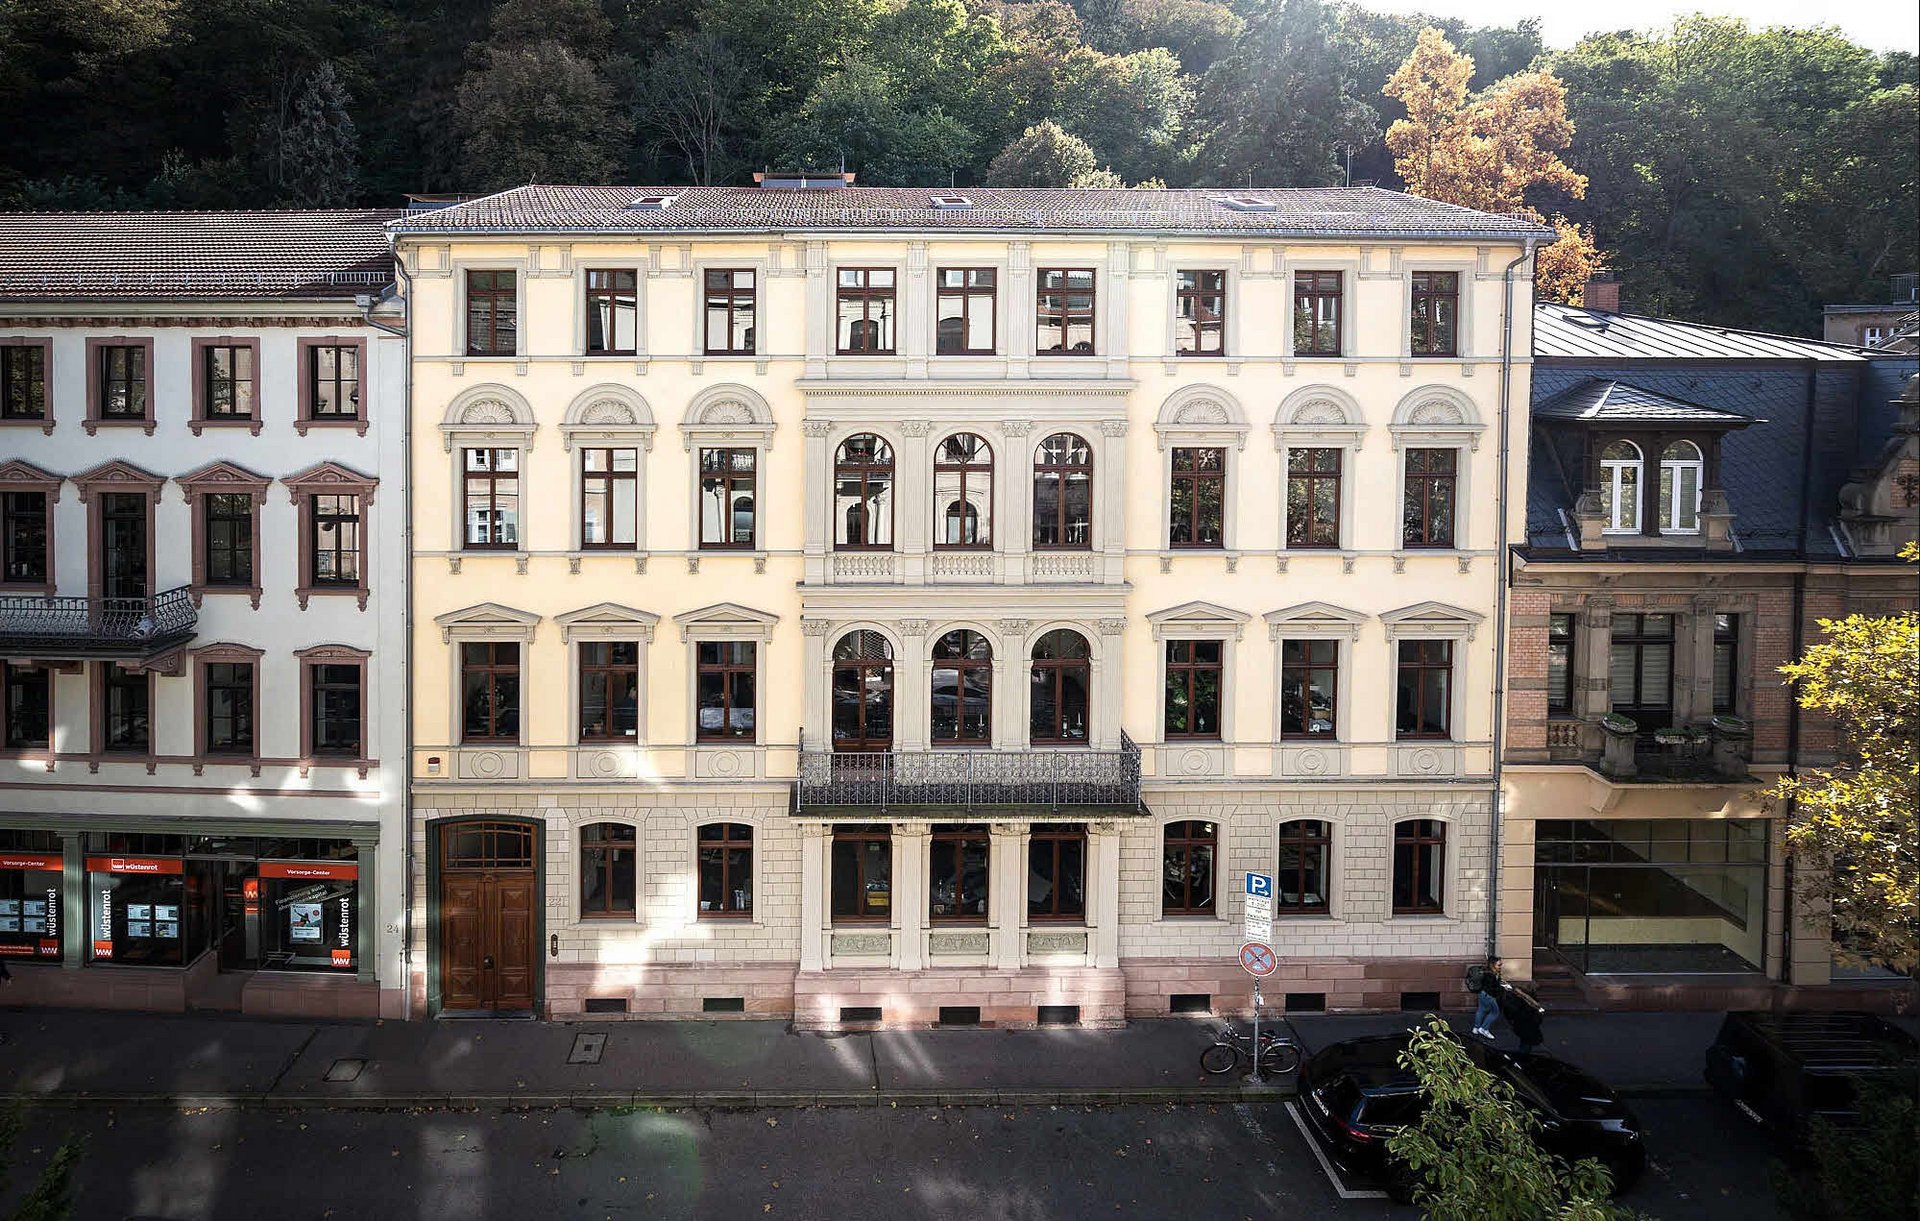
<point x="487" y="764"/>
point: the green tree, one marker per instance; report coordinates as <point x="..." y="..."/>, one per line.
<point x="1280" y="109"/>
<point x="536" y="106"/>
<point x="1473" y="1155"/>
<point x="691" y="96"/>
<point x="321" y="158"/>
<point x="1045" y="155"/>
<point x="1855" y="826"/>
<point x="856" y="114"/>
<point x="1865" y="1171"/>
<point x="51" y="1196"/>
<point x="1131" y="109"/>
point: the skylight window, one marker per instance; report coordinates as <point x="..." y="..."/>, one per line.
<point x="950" y="203"/>
<point x="651" y="203"/>
<point x="1249" y="203"/>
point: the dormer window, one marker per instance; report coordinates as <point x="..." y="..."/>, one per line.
<point x="950" y="203"/>
<point x="651" y="203"/>
<point x="1680" y="479"/>
<point x="1620" y="465"/>
<point x="1250" y="203"/>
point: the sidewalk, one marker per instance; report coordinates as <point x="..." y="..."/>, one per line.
<point x="115" y="1059"/>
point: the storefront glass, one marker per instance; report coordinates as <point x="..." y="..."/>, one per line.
<point x="1653" y="896"/>
<point x="31" y="873"/>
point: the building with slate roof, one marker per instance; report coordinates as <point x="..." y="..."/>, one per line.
<point x="202" y="604"/>
<point x="1697" y="497"/>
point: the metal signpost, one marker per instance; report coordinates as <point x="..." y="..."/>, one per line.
<point x="1256" y="955"/>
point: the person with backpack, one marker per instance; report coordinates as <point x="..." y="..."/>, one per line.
<point x="1484" y="980"/>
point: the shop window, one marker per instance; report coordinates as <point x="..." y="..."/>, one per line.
<point x="1419" y="867"/>
<point x="1424" y="690"/>
<point x="727" y="678"/>
<point x="1197" y="498"/>
<point x="963" y="492"/>
<point x="26" y="707"/>
<point x="1300" y="882"/>
<point x="613" y="311"/>
<point x="1187" y="857"/>
<point x="1194" y="673"/>
<point x="309" y="913"/>
<point x="609" y="690"/>
<point x="609" y="500"/>
<point x="730" y="305"/>
<point x="32" y="894"/>
<point x="1064" y="312"/>
<point x="607" y="870"/>
<point x="1057" y="873"/>
<point x="726" y="870"/>
<point x="1060" y="679"/>
<point x="957" y="875"/>
<point x="862" y="887"/>
<point x="863" y="494"/>
<point x="1309" y="682"/>
<point x="1560" y="665"/>
<point x="1063" y="494"/>
<point x="138" y="912"/>
<point x="962" y="711"/>
<point x="727" y="498"/>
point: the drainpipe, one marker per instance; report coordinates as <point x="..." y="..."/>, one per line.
<point x="405" y="333"/>
<point x="1503" y="568"/>
<point x="1799" y="644"/>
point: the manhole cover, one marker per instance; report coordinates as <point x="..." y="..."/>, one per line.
<point x="345" y="1070"/>
<point x="587" y="1048"/>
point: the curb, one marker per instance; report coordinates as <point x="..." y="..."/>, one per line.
<point x="675" y="1100"/>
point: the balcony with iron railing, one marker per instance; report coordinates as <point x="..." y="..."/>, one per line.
<point x="1068" y="782"/>
<point x="84" y="629"/>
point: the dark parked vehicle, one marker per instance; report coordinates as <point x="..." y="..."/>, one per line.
<point x="1783" y="1070"/>
<point x="1356" y="1096"/>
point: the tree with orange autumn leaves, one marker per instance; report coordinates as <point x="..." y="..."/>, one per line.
<point x="1486" y="150"/>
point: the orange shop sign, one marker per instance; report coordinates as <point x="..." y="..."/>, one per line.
<point x="135" y="864"/>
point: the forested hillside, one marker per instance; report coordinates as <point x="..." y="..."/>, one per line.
<point x="1734" y="175"/>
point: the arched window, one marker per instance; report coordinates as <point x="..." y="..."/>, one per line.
<point x="1300" y="884"/>
<point x="1680" y="470"/>
<point x="1061" y="677"/>
<point x="1063" y="493"/>
<point x="862" y="692"/>
<point x="1620" y="487"/>
<point x="863" y="494"/>
<point x="963" y="492"/>
<point x="607" y="859"/>
<point x="962" y="688"/>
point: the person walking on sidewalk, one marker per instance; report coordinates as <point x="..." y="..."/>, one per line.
<point x="1524" y="1014"/>
<point x="1484" y="979"/>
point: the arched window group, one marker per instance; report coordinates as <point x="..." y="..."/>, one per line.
<point x="865" y="479"/>
<point x="1622" y="476"/>
<point x="961" y="694"/>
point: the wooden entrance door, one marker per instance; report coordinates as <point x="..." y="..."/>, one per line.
<point x="489" y="918"/>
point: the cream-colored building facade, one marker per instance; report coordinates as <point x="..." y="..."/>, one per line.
<point x="884" y="684"/>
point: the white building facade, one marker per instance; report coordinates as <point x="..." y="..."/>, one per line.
<point x="202" y="613"/>
<point x="875" y="606"/>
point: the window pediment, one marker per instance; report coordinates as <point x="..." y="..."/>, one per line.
<point x="1201" y="415"/>
<point x="608" y="413"/>
<point x="606" y="620"/>
<point x="117" y="476"/>
<point x="20" y="476"/>
<point x="726" y="621"/>
<point x="327" y="477"/>
<point x="1319" y="416"/>
<point x="727" y="414"/>
<point x="487" y="619"/>
<point x="1436" y="415"/>
<point x="222" y="476"/>
<point x="1434" y="619"/>
<point x="492" y="413"/>
<point x="1203" y="620"/>
<point x="1314" y="619"/>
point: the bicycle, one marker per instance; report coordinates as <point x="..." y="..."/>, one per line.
<point x="1279" y="1054"/>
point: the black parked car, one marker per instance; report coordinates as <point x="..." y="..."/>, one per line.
<point x="1356" y="1096"/>
<point x="1785" y="1069"/>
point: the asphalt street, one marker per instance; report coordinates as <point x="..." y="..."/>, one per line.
<point x="838" y="1163"/>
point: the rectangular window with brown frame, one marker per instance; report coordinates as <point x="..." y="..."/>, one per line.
<point x="1313" y="498"/>
<point x="1188" y="852"/>
<point x="493" y="313"/>
<point x="1057" y="873"/>
<point x="332" y="383"/>
<point x="1194" y="679"/>
<point x="726" y="678"/>
<point x="613" y="312"/>
<point x="23" y="539"/>
<point x="728" y="499"/>
<point x="957" y="875"/>
<point x="23" y="382"/>
<point x="490" y="691"/>
<point x="609" y="871"/>
<point x="335" y="544"/>
<point x="1309" y="686"/>
<point x="1064" y="308"/>
<point x="609" y="691"/>
<point x="126" y="704"/>
<point x="225" y="377"/>
<point x="490" y="499"/>
<point x="1300" y="881"/>
<point x="861" y="887"/>
<point x="1726" y="665"/>
<point x="1197" y="498"/>
<point x="1640" y="669"/>
<point x="964" y="300"/>
<point x="732" y="301"/>
<point x="227" y="704"/>
<point x="1200" y="313"/>
<point x="336" y="695"/>
<point x="227" y="520"/>
<point x="725" y="862"/>
<point x="121" y="382"/>
<point x="866" y="309"/>
<point x="1432" y="485"/>
<point x="609" y="499"/>
<point x="1560" y="665"/>
<point x="1419" y="867"/>
<point x="1317" y="301"/>
<point x="26" y="707"/>
<point x="1424" y="689"/>
<point x="1435" y="313"/>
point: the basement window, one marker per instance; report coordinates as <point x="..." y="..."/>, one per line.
<point x="723" y="1004"/>
<point x="959" y="1015"/>
<point x="1419" y="1002"/>
<point x="1305" y="1002"/>
<point x="854" y="1015"/>
<point x="604" y="1004"/>
<point x="1190" y="1002"/>
<point x="1059" y="1015"/>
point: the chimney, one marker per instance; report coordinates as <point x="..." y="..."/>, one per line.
<point x="1602" y="293"/>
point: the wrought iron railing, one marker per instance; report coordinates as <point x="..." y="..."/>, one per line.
<point x="116" y="625"/>
<point x="970" y="779"/>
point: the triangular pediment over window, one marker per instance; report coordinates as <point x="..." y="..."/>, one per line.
<point x="1314" y="619"/>
<point x="1432" y="619"/>
<point x="1201" y="619"/>
<point x="726" y="621"/>
<point x="607" y="619"/>
<point x="488" y="619"/>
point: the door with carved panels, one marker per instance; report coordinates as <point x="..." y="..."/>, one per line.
<point x="488" y="918"/>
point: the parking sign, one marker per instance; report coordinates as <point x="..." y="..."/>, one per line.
<point x="1259" y="908"/>
<point x="1260" y="884"/>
